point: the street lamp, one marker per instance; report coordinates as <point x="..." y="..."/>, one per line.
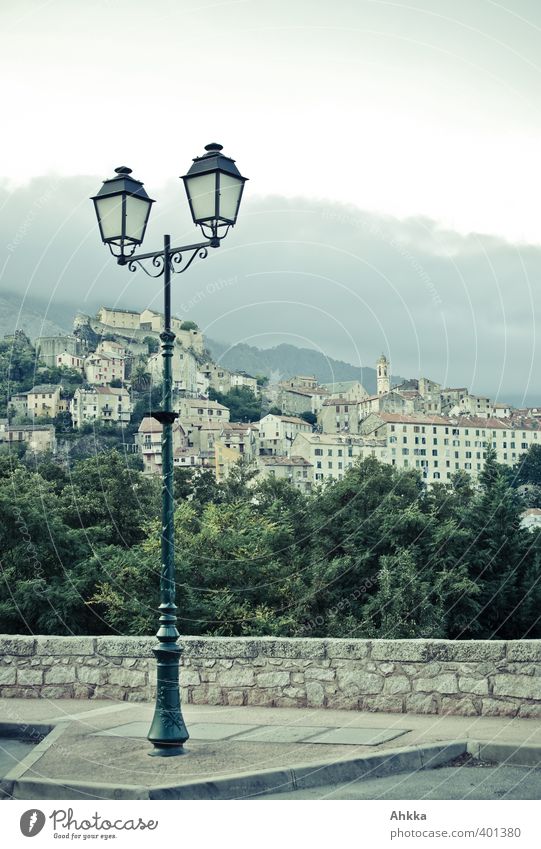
<point x="214" y="188"/>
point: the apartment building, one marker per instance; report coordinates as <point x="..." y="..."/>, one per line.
<point x="37" y="438"/>
<point x="294" y="400"/>
<point x="296" y="470"/>
<point x="331" y="455"/>
<point x="346" y="390"/>
<point x="100" y="368"/>
<point x="187" y="378"/>
<point x="276" y="434"/>
<point x="43" y="400"/>
<point x="439" y="446"/>
<point x="102" y="404"/>
<point x="242" y="379"/>
<point x="67" y="360"/>
<point x="148" y="440"/>
<point x="202" y="410"/>
<point x="339" y="415"/>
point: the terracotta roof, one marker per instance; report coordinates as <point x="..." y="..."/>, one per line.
<point x="149" y="425"/>
<point x="43" y="389"/>
<point x="460" y="421"/>
<point x="290" y="419"/>
<point x="284" y="461"/>
<point x="203" y="402"/>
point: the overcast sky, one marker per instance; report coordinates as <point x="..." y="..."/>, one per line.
<point x="393" y="151"/>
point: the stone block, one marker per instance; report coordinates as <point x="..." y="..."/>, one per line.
<point x="354" y="649"/>
<point x="65" y="692"/>
<point x="386" y="668"/>
<point x="235" y="698"/>
<point x="60" y="675"/>
<point x="383" y="704"/>
<point x="20" y="693"/>
<point x="294" y="692"/>
<point x="352" y="682"/>
<point x="109" y="692"/>
<point x="445" y="683"/>
<point x="190" y="676"/>
<point x="426" y="670"/>
<point x="529" y="711"/>
<point x="66" y="646"/>
<point x="458" y="707"/>
<point x="315" y="694"/>
<point x="394" y="684"/>
<point x="236" y="677"/>
<point x="465" y="650"/>
<point x="263" y="698"/>
<point x="413" y="650"/>
<point x="83" y="691"/>
<point x="469" y="684"/>
<point x="316" y="673"/>
<point x="520" y="686"/>
<point x="29" y="676"/>
<point x="292" y="647"/>
<point x="273" y="679"/>
<point x="17" y="645"/>
<point x="219" y="647"/>
<point x="92" y="675"/>
<point x="8" y="675"/>
<point x="127" y="677"/>
<point x="125" y="646"/>
<point x="141" y="695"/>
<point x="417" y="703"/>
<point x="524" y="650"/>
<point x="499" y="707"/>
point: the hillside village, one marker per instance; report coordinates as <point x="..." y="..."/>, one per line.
<point x="295" y="429"/>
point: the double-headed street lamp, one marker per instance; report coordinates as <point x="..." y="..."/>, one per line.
<point x="214" y="188"/>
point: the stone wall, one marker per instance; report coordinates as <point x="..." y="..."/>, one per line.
<point x="488" y="678"/>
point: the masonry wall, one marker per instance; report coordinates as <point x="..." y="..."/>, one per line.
<point x="488" y="678"/>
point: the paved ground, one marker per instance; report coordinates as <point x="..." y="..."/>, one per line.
<point x="11" y="753"/>
<point x="499" y="782"/>
<point x="105" y="741"/>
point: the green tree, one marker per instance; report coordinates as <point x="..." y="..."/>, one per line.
<point x="241" y="401"/>
<point x="152" y="343"/>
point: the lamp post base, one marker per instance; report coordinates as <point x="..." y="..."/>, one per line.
<point x="167" y="751"/>
<point x="168" y="732"/>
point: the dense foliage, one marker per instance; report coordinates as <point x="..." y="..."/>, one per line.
<point x="372" y="555"/>
<point x="243" y="405"/>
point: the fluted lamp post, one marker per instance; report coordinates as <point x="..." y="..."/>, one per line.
<point x="214" y="188"/>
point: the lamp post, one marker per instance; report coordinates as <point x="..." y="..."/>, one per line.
<point x="214" y="189"/>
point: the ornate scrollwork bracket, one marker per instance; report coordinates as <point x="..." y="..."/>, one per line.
<point x="179" y="259"/>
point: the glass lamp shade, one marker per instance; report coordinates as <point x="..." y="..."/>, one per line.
<point x="214" y="188"/>
<point x="122" y="209"/>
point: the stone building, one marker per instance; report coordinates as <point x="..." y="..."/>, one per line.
<point x="276" y="434"/>
<point x="100" y="404"/>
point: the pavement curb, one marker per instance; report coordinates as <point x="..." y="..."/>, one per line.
<point x="247" y="785"/>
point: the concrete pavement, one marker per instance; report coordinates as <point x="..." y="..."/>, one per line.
<point x="98" y="749"/>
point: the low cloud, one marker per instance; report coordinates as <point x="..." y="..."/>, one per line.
<point x="460" y="309"/>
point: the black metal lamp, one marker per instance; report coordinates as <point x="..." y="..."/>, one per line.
<point x="214" y="187"/>
<point x="123" y="209"/>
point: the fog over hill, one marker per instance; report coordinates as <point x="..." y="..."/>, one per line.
<point x="284" y="361"/>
